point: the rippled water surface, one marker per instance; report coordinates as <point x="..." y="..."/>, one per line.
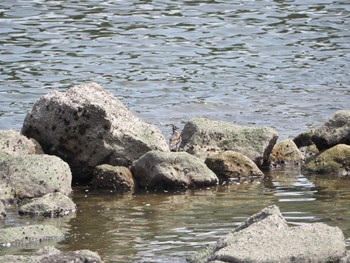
<point x="283" y="64"/>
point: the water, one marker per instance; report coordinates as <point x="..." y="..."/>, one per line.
<point x="283" y="64"/>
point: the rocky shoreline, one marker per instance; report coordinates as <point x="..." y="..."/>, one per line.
<point x="88" y="136"/>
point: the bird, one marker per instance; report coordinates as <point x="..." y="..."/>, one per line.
<point x="175" y="139"/>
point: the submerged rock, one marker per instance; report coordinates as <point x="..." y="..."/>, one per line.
<point x="286" y="152"/>
<point x="29" y="234"/>
<point x="233" y="166"/>
<point x="171" y="170"/>
<point x="14" y="143"/>
<point x="266" y="237"/>
<point x="50" y="254"/>
<point x="335" y="160"/>
<point x="116" y="178"/>
<point x="31" y="176"/>
<point x="202" y="138"/>
<point x="50" y="205"/>
<point x="87" y="126"/>
<point x="335" y="131"/>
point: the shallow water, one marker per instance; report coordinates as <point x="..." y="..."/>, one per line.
<point x="283" y="64"/>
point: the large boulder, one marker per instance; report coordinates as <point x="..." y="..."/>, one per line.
<point x="202" y="138"/>
<point x="31" y="176"/>
<point x="50" y="205"/>
<point x="335" y="131"/>
<point x="114" y="178"/>
<point x="171" y="170"/>
<point x="14" y="143"/>
<point x="232" y="166"/>
<point x="335" y="160"/>
<point x="29" y="234"/>
<point x="87" y="126"/>
<point x="266" y="237"/>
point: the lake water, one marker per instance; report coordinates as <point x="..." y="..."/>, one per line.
<point x="283" y="64"/>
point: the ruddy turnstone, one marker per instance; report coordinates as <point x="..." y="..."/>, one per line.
<point x="175" y="139"/>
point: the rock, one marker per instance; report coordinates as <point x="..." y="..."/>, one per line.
<point x="233" y="166"/>
<point x="87" y="126"/>
<point x="304" y="139"/>
<point x="266" y="237"/>
<point x="50" y="205"/>
<point x="171" y="170"/>
<point x="335" y="131"/>
<point x="345" y="259"/>
<point x="29" y="234"/>
<point x="202" y="138"/>
<point x="335" y="160"/>
<point x="50" y="254"/>
<point x="286" y="152"/>
<point x="31" y="176"/>
<point x="14" y="143"/>
<point x="309" y="151"/>
<point x="2" y="211"/>
<point x="116" y="178"/>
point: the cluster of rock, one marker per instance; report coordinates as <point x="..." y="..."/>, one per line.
<point x="87" y="135"/>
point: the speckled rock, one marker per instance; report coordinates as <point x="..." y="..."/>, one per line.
<point x="50" y="205"/>
<point x="87" y="126"/>
<point x="14" y="143"/>
<point x="2" y="211"/>
<point x="232" y="166"/>
<point x="286" y="152"/>
<point x="335" y="160"/>
<point x="171" y="170"/>
<point x="116" y="178"/>
<point x="31" y="176"/>
<point x="266" y="237"/>
<point x="29" y="234"/>
<point x="202" y="138"/>
<point x="335" y="131"/>
<point x="50" y="254"/>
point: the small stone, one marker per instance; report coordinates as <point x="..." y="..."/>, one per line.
<point x="286" y="152"/>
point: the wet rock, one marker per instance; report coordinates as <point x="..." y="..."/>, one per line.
<point x="2" y="211"/>
<point x="202" y="138"/>
<point x="31" y="176"/>
<point x="87" y="126"/>
<point x="171" y="170"/>
<point x="50" y="205"/>
<point x="14" y="143"/>
<point x="335" y="131"/>
<point x="116" y="178"/>
<point x="29" y="234"/>
<point x="266" y="237"/>
<point x="335" y="160"/>
<point x="232" y="166"/>
<point x="50" y="254"/>
<point x="286" y="152"/>
<point x="304" y="139"/>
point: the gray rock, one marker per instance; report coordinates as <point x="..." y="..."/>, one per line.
<point x="345" y="259"/>
<point x="171" y="170"/>
<point x="31" y="176"/>
<point x="335" y="131"/>
<point x="233" y="166"/>
<point x="50" y="254"/>
<point x="116" y="178"/>
<point x="266" y="237"/>
<point x="2" y="211"/>
<point x="286" y="152"/>
<point x="29" y="234"/>
<point x="335" y="160"/>
<point x="50" y="205"/>
<point x="202" y="138"/>
<point x="87" y="126"/>
<point x="14" y="143"/>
